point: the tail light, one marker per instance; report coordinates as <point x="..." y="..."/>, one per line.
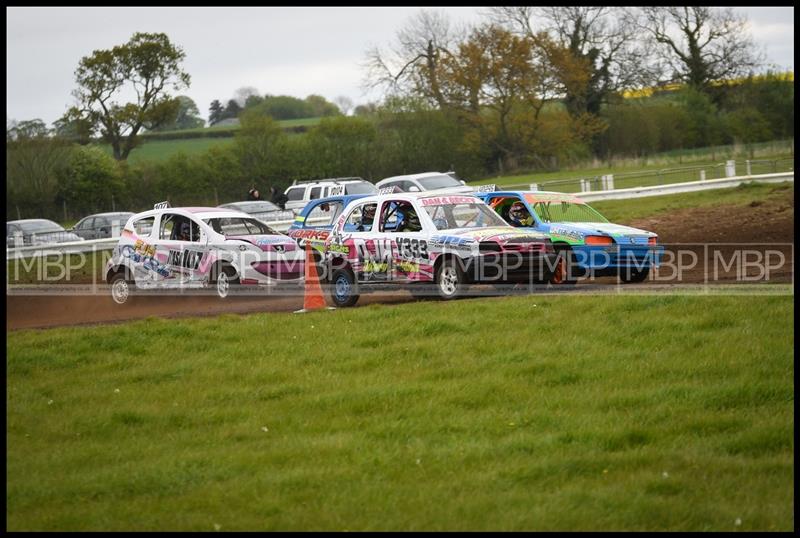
<point x="598" y="240"/>
<point x="652" y="241"/>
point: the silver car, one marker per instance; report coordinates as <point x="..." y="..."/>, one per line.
<point x="34" y="232"/>
<point x="261" y="209"/>
<point x="101" y="225"/>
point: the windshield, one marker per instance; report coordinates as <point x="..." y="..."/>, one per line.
<point x="563" y="211"/>
<point x="40" y="226"/>
<point x="231" y="226"/>
<point x="361" y="187"/>
<point x="465" y="215"/>
<point x="439" y="182"/>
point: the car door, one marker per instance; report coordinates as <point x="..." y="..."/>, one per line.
<point x="181" y="255"/>
<point x="358" y="238"/>
<point x="85" y="228"/>
<point x="400" y="225"/>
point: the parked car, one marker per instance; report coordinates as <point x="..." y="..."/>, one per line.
<point x="200" y="247"/>
<point x="34" y="232"/>
<point x="409" y="240"/>
<point x="427" y="181"/>
<point x="590" y="244"/>
<point x="101" y="225"/>
<point x="261" y="209"/>
<point x="317" y="218"/>
<point x="299" y="194"/>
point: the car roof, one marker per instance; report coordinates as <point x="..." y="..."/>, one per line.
<point x="414" y="176"/>
<point x="197" y="212"/>
<point x="334" y="180"/>
<point x="23" y="221"/>
<point x="409" y="196"/>
<point x="109" y="213"/>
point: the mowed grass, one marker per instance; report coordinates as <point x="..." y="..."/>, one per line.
<point x="526" y="413"/>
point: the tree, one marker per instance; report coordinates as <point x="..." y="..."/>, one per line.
<point x="89" y="180"/>
<point x="32" y="166"/>
<point x="242" y="94"/>
<point x="232" y="109"/>
<point x="188" y="116"/>
<point x="216" y="112"/>
<point x="601" y="40"/>
<point x="27" y="129"/>
<point x="700" y="45"/>
<point x="146" y="66"/>
<point x="344" y="103"/>
<point x="321" y="107"/>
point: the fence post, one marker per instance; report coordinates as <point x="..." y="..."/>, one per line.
<point x="610" y="182"/>
<point x="19" y="216"/>
<point x="18" y="241"/>
<point x="702" y="175"/>
<point x="216" y="198"/>
<point x="730" y="168"/>
<point x="747" y="163"/>
<point x="65" y="210"/>
<point x="585" y="187"/>
<point x="113" y="205"/>
<point x="115" y="228"/>
<point x="534" y="186"/>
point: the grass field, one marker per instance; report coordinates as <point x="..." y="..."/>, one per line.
<point x="591" y="412"/>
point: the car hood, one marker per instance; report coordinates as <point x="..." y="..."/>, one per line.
<point x="267" y="242"/>
<point x="496" y="233"/>
<point x="581" y="229"/>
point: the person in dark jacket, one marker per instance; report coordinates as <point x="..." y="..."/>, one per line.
<point x="278" y="198"/>
<point x="253" y="194"/>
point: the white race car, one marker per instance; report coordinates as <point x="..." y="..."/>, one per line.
<point x="410" y="239"/>
<point x="200" y="247"/>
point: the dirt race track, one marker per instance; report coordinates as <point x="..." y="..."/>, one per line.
<point x="767" y="223"/>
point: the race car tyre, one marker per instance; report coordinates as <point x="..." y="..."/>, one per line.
<point x="121" y="288"/>
<point x="344" y="290"/>
<point x="632" y="275"/>
<point x="449" y="280"/>
<point x="565" y="268"/>
<point x="224" y="280"/>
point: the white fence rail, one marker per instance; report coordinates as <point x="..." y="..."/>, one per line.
<point x="283" y="225"/>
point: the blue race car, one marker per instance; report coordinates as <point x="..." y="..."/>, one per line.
<point x="318" y="217"/>
<point x="589" y="244"/>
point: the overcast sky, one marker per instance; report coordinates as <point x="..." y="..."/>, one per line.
<point x="280" y="51"/>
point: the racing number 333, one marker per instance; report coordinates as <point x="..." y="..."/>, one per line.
<point x="412" y="248"/>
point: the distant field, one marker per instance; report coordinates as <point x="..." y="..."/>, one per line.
<point x="159" y="150"/>
<point x="584" y="412"/>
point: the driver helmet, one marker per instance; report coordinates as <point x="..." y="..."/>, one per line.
<point x="369" y="212"/>
<point x="517" y="212"/>
<point x="413" y="220"/>
<point x="185" y="231"/>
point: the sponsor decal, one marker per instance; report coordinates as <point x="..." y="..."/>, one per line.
<point x="491" y="187"/>
<point x="451" y="242"/>
<point x="309" y="234"/>
<point x="143" y="248"/>
<point x="449" y="200"/>
<point x="407" y="267"/>
<point x="148" y="262"/>
<point x="269" y="240"/>
<point x="566" y="232"/>
<point x="339" y="249"/>
<point x="189" y="259"/>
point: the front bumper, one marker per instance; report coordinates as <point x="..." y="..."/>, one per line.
<point x="512" y="267"/>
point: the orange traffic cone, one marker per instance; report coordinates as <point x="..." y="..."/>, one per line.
<point x="312" y="298"/>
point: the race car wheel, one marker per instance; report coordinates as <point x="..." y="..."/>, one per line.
<point x="121" y="288"/>
<point x="564" y="268"/>
<point x="632" y="275"/>
<point x="344" y="290"/>
<point x="449" y="280"/>
<point x="224" y="281"/>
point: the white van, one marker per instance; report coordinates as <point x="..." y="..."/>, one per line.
<point x="300" y="193"/>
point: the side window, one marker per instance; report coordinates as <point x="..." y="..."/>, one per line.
<point x="143" y="226"/>
<point x="315" y="191"/>
<point x="86" y="224"/>
<point x="399" y="216"/>
<point x="167" y="226"/>
<point x="327" y="211"/>
<point x="101" y="221"/>
<point x="360" y="218"/>
<point x="295" y="193"/>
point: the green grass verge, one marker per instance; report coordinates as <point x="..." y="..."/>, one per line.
<point x="621" y="412"/>
<point x="624" y="211"/>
